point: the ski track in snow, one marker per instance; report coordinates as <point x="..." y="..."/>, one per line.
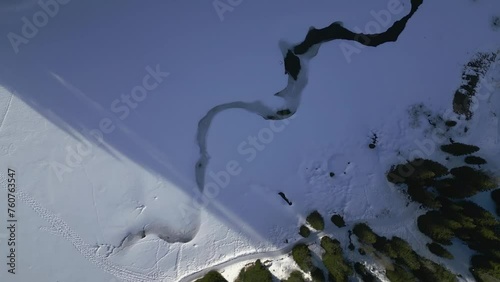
<point x="60" y="228"/>
<point x="6" y="112"/>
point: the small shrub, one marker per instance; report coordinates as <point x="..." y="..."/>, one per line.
<point x="421" y="195"/>
<point x="317" y="275"/>
<point x="466" y="182"/>
<point x="416" y="172"/>
<point x="474" y="160"/>
<point x="212" y="276"/>
<point x="316" y="220"/>
<point x="304" y="231"/>
<point x="434" y="226"/>
<point x="256" y="272"/>
<point x="338" y="220"/>
<point x="295" y="276"/>
<point x="439" y="250"/>
<point x="405" y="254"/>
<point x="459" y="149"/>
<point x="485" y="268"/>
<point x="333" y="259"/>
<point x="399" y="274"/>
<point x="331" y="246"/>
<point x="365" y="233"/>
<point x="384" y="246"/>
<point x="474" y="177"/>
<point x="303" y="257"/>
<point x="431" y="271"/>
<point x="454" y="188"/>
<point x="338" y="269"/>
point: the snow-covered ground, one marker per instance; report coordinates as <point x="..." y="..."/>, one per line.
<point x="102" y="175"/>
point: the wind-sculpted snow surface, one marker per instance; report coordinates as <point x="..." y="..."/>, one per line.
<point x="296" y="68"/>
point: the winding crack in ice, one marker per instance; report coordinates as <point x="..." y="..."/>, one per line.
<point x="296" y="60"/>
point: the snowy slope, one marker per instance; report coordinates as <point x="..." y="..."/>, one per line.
<point x="82" y="215"/>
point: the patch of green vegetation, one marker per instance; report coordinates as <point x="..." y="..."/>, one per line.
<point x="474" y="177"/>
<point x="333" y="259"/>
<point x="303" y="257"/>
<point x="399" y="274"/>
<point x="316" y="220"/>
<point x="448" y="219"/>
<point x="485" y="268"/>
<point x="436" y="227"/>
<point x="304" y="231"/>
<point x="473" y="225"/>
<point x="338" y="220"/>
<point x="398" y="250"/>
<point x="439" y="250"/>
<point x="331" y="245"/>
<point x="431" y="271"/>
<point x="256" y="272"/>
<point x="422" y="195"/>
<point x="459" y="149"/>
<point x="364" y="233"/>
<point x="466" y="182"/>
<point x="317" y="275"/>
<point x="419" y="175"/>
<point x="212" y="276"/>
<point x="417" y="171"/>
<point x="474" y="160"/>
<point x="407" y="264"/>
<point x="295" y="276"/>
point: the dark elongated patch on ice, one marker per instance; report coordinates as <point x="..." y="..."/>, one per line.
<point x="297" y="79"/>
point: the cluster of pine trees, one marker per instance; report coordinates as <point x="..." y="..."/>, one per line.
<point x="407" y="265"/>
<point x="212" y="276"/>
<point x="450" y="216"/>
<point x="472" y="224"/>
<point x="420" y="175"/>
<point x="255" y="272"/>
<point x="440" y="190"/>
<point x="339" y="269"/>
